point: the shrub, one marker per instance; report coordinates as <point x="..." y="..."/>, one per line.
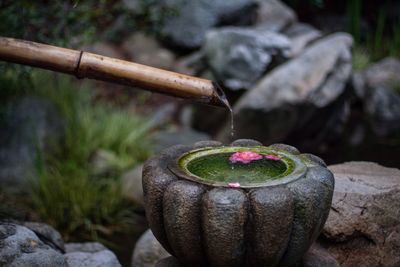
<point x="70" y="193"/>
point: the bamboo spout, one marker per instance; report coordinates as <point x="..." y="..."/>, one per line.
<point x="88" y="65"/>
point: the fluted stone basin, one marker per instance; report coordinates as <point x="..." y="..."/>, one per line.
<point x="207" y="209"/>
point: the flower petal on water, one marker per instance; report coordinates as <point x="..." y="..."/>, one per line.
<point x="272" y="157"/>
<point x="234" y="185"/>
<point x="244" y="157"/>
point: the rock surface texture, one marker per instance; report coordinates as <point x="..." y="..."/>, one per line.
<point x="148" y="251"/>
<point x="192" y="18"/>
<point x="300" y="36"/>
<point x="273" y="15"/>
<point x="47" y="234"/>
<point x="363" y="227"/>
<point x="375" y="87"/>
<point x="291" y="96"/>
<point x="20" y="247"/>
<point x="90" y="254"/>
<point x="38" y="244"/>
<point x="146" y="50"/>
<point x="239" y="56"/>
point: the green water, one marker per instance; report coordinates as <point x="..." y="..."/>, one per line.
<point x="218" y="168"/>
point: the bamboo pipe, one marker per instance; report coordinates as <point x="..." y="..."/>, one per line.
<point x="93" y="66"/>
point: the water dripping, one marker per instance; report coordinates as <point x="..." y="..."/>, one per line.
<point x="224" y="100"/>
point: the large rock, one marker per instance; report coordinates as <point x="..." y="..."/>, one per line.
<point x="186" y="28"/>
<point x="274" y="15"/>
<point x="375" y="86"/>
<point x="30" y="126"/>
<point x="300" y="36"/>
<point x="47" y="235"/>
<point x="148" y="251"/>
<point x="363" y="228"/>
<point x="105" y="49"/>
<point x="90" y="254"/>
<point x="20" y="247"/>
<point x="239" y="56"/>
<point x="291" y="98"/>
<point x="146" y="50"/>
<point x="317" y="256"/>
<point x="132" y="185"/>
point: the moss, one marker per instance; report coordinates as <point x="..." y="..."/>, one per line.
<point x="258" y="173"/>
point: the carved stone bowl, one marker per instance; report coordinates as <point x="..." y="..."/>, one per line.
<point x="265" y="218"/>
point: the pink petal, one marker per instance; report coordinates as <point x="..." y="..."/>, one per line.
<point x="272" y="157"/>
<point x="234" y="185"/>
<point x="244" y="157"/>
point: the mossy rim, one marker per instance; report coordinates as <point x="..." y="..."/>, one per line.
<point x="295" y="168"/>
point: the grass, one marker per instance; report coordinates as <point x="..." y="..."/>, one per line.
<point x="361" y="58"/>
<point x="73" y="194"/>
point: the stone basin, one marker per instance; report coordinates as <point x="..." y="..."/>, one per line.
<point x="207" y="209"/>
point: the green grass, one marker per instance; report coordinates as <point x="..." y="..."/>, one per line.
<point x="72" y="194"/>
<point x="361" y="58"/>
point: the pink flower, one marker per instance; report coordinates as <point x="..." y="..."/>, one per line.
<point x="234" y="185"/>
<point x="244" y="157"/>
<point x="272" y="157"/>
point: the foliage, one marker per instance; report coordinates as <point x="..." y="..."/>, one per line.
<point x="361" y="58"/>
<point x="70" y="194"/>
<point x="74" y="23"/>
<point x="384" y="40"/>
<point x="354" y="15"/>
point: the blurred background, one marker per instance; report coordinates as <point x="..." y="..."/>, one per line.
<point x="321" y="75"/>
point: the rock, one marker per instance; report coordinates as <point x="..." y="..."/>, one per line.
<point x="300" y="36"/>
<point x="132" y="185"/>
<point x="47" y="235"/>
<point x="273" y="15"/>
<point x="384" y="73"/>
<point x="375" y="88"/>
<point x="186" y="28"/>
<point x="148" y="251"/>
<point x="21" y="247"/>
<point x="170" y="138"/>
<point x="383" y="107"/>
<point x="104" y="49"/>
<point x="239" y="56"/>
<point x="192" y="64"/>
<point x="91" y="254"/>
<point x="30" y="126"/>
<point x="134" y="6"/>
<point x="291" y="98"/>
<point x="103" y="161"/>
<point x="363" y="228"/>
<point x="317" y="256"/>
<point x="146" y="50"/>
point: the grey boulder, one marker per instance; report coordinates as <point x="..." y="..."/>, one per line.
<point x="47" y="234"/>
<point x="144" y="49"/>
<point x="300" y="36"/>
<point x="239" y="56"/>
<point x="375" y="87"/>
<point x="290" y="98"/>
<point x="186" y="28"/>
<point x="21" y="247"/>
<point x="274" y="15"/>
<point x="90" y="254"/>
<point x="148" y="251"/>
<point x="363" y="227"/>
<point x="132" y="185"/>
